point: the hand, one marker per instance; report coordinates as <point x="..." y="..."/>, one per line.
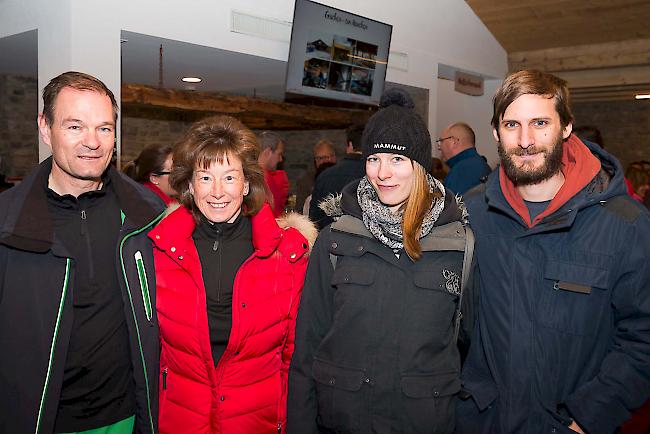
<point x="574" y="426"/>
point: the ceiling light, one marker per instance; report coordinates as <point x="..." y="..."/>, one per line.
<point x="642" y="96"/>
<point x="191" y="79"/>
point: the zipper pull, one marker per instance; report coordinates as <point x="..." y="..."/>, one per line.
<point x="164" y="379"/>
<point x="83" y="222"/>
<point x="279" y="428"/>
<point x="215" y="246"/>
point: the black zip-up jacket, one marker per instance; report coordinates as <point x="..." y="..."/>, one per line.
<point x="36" y="311"/>
<point x="374" y="349"/>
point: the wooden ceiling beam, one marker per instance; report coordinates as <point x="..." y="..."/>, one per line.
<point x="583" y="57"/>
<point x="253" y="112"/>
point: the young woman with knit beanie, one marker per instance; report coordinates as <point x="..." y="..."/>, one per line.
<point x="376" y="338"/>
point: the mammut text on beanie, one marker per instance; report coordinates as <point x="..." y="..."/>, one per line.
<point x="397" y="129"/>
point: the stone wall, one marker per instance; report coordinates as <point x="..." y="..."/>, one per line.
<point x="624" y="125"/>
<point x="18" y="130"/>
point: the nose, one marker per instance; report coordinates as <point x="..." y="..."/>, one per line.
<point x="91" y="140"/>
<point x="217" y="188"/>
<point x="384" y="171"/>
<point x="526" y="137"/>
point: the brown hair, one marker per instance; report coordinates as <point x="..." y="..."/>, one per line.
<point x="150" y="161"/>
<point x="75" y="80"/>
<point x="536" y="83"/>
<point x="415" y="208"/>
<point x="213" y="140"/>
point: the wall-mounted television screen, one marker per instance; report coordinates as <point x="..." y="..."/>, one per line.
<point x="338" y="55"/>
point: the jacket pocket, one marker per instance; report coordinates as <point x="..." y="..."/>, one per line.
<point x="347" y="275"/>
<point x="339" y="396"/>
<point x="574" y="297"/>
<point x="428" y="402"/>
<point x="446" y="280"/>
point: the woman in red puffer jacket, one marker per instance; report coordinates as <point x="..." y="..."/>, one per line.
<point x="229" y="279"/>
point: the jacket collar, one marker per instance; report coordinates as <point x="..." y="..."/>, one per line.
<point x="462" y="155"/>
<point x="29" y="227"/>
<point x="179" y="225"/>
<point x="602" y="186"/>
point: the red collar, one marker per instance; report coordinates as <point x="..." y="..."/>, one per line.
<point x="579" y="167"/>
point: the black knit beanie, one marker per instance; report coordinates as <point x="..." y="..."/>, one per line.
<point x="397" y="129"/>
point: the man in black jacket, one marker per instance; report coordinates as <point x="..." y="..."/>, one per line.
<point x="332" y="180"/>
<point x="562" y="342"/>
<point x="78" y="328"/>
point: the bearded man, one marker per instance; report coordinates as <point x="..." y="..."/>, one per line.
<point x="563" y="339"/>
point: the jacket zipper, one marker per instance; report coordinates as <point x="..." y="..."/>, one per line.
<point x="86" y="236"/>
<point x="135" y="319"/>
<point x="64" y="291"/>
<point x="279" y="427"/>
<point x="164" y="379"/>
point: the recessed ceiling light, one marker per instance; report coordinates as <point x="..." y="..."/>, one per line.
<point x="191" y="79"/>
<point x="642" y="96"/>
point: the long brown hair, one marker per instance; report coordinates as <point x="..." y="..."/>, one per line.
<point x="213" y="140"/>
<point x="416" y="207"/>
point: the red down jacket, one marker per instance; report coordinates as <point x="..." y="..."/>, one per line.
<point x="246" y="392"/>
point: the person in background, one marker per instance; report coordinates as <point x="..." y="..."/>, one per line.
<point x="562" y="342"/>
<point x="324" y="153"/>
<point x="271" y="155"/>
<point x="376" y="334"/>
<point x="466" y="166"/>
<point x="79" y="337"/>
<point x="332" y="181"/>
<point x="152" y="168"/>
<point x="590" y="134"/>
<point x="229" y="278"/>
<point x="321" y="169"/>
<point x="638" y="174"/>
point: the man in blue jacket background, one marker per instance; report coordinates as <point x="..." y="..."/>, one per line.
<point x="563" y="338"/>
<point x="457" y="144"/>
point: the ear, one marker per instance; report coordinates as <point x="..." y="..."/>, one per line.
<point x="349" y="148"/>
<point x="495" y="134"/>
<point x="153" y="179"/>
<point x="567" y="131"/>
<point x="246" y="188"/>
<point x="191" y="188"/>
<point x="44" y="130"/>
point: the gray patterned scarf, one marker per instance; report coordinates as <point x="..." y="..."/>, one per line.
<point x="386" y="226"/>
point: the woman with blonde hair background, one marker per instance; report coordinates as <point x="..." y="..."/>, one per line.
<point x="376" y="335"/>
<point x="229" y="279"/>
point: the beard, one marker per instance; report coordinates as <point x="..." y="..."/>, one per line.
<point x="523" y="175"/>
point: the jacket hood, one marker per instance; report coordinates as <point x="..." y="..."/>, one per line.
<point x="27" y="224"/>
<point x="346" y="203"/>
<point x="605" y="184"/>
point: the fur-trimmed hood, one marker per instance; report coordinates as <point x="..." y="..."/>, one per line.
<point x="301" y="223"/>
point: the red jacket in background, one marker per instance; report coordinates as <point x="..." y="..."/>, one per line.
<point x="278" y="183"/>
<point x="246" y="392"/>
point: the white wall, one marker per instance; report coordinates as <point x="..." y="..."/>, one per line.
<point x="476" y="111"/>
<point x="84" y="34"/>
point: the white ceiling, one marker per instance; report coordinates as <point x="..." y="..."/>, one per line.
<point x="221" y="70"/>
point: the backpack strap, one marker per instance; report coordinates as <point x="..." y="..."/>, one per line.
<point x="467" y="264"/>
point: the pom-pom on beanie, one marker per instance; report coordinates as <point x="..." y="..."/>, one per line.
<point x="397" y="129"/>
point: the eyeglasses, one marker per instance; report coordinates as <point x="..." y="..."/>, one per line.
<point x="440" y="140"/>
<point x="161" y="173"/>
<point x="323" y="157"/>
